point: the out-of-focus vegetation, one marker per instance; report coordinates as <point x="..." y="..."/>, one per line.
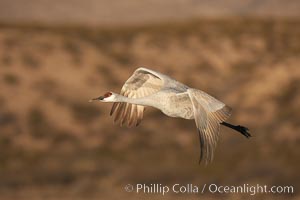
<point x="56" y="145"/>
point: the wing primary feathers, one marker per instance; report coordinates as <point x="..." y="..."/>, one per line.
<point x="113" y="108"/>
<point x="119" y="112"/>
<point x="141" y="83"/>
<point x="208" y="114"/>
<point x="123" y="118"/>
<point x="201" y="146"/>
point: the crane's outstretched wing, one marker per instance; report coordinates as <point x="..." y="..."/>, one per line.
<point x="209" y="113"/>
<point x="142" y="83"/>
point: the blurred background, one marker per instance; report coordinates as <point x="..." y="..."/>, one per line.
<point x="56" y="55"/>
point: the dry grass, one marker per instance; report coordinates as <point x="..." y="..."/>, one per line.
<point x="57" y="145"/>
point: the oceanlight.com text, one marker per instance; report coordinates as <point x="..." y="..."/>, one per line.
<point x="212" y="188"/>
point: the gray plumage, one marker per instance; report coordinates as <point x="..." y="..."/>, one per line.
<point x="150" y="88"/>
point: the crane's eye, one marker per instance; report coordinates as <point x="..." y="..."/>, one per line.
<point x="107" y="94"/>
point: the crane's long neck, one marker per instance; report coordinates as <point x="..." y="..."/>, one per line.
<point x="144" y="101"/>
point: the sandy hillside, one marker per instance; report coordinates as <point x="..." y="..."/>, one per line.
<point x="55" y="144"/>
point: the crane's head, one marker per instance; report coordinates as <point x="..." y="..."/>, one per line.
<point x="107" y="97"/>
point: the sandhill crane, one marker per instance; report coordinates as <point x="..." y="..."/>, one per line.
<point x="150" y="88"/>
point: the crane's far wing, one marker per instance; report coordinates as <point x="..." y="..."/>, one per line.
<point x="142" y="83"/>
<point x="209" y="113"/>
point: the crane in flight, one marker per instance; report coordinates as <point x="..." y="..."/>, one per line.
<point x="147" y="87"/>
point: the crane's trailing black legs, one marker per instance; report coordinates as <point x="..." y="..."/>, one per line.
<point x="241" y="129"/>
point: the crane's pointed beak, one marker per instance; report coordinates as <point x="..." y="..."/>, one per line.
<point x="96" y="99"/>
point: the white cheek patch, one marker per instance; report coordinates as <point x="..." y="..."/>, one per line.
<point x="110" y="98"/>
